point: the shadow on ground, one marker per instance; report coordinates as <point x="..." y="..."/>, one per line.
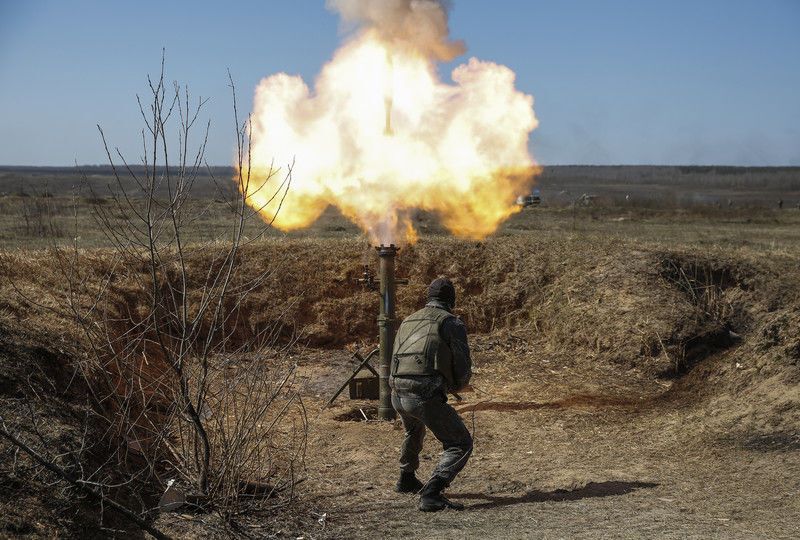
<point x="592" y="489"/>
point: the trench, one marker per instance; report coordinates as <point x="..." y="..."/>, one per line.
<point x="718" y="323"/>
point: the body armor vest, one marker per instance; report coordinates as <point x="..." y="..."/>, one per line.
<point x="419" y="348"/>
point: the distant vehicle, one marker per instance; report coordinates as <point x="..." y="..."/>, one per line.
<point x="534" y="199"/>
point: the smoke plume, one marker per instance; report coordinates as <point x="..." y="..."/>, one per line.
<point x="420" y="24"/>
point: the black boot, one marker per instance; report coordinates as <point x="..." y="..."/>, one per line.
<point x="432" y="500"/>
<point x="408" y="483"/>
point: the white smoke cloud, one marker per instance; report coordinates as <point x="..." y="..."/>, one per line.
<point x="421" y="24"/>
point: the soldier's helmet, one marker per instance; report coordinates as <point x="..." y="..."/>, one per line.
<point x="442" y="289"/>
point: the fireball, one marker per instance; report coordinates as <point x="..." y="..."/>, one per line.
<point x="381" y="135"/>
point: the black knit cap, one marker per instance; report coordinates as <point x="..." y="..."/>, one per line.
<point x="442" y="289"/>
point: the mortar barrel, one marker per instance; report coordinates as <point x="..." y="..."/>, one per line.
<point x="387" y="325"/>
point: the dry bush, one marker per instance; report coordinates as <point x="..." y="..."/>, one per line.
<point x="183" y="391"/>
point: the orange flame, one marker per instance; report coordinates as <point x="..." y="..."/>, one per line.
<point x="382" y="135"/>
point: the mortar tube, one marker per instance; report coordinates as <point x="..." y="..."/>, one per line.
<point x="387" y="325"/>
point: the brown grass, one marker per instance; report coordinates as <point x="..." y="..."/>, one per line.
<point x="631" y="316"/>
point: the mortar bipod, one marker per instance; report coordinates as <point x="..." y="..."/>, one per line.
<point x="363" y="363"/>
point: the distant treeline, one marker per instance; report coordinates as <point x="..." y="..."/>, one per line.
<point x="104" y="170"/>
<point x="724" y="177"/>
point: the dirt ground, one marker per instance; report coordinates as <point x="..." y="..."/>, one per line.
<point x="557" y="455"/>
<point x="622" y="389"/>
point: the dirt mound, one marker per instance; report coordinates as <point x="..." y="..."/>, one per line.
<point x="44" y="404"/>
<point x="647" y="313"/>
<point x="738" y="353"/>
<point x="751" y="390"/>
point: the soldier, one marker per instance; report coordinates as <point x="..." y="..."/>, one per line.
<point x="431" y="358"/>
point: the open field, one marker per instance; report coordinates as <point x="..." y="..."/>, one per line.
<point x="699" y="205"/>
<point x="636" y="364"/>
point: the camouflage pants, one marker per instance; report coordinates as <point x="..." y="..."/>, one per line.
<point x="433" y="413"/>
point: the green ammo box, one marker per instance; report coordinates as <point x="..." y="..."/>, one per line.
<point x="364" y="386"/>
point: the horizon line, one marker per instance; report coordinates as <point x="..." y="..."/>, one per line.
<point x="96" y="165"/>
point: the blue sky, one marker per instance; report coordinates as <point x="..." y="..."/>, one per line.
<point x="615" y="81"/>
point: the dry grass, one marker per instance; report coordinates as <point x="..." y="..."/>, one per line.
<point x="632" y="305"/>
<point x="628" y="308"/>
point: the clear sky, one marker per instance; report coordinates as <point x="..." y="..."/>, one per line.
<point x="615" y="81"/>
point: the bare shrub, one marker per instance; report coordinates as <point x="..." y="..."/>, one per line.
<point x="183" y="390"/>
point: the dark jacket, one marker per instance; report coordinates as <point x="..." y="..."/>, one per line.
<point x="454" y="333"/>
